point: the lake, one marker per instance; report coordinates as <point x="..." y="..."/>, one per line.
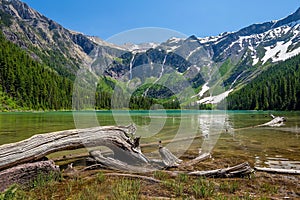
<point x="223" y="133"/>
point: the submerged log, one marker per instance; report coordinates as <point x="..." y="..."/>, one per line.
<point x="26" y="173"/>
<point x="279" y="171"/>
<point x="114" y="137"/>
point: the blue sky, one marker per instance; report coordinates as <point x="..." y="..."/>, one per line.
<point x="199" y="17"/>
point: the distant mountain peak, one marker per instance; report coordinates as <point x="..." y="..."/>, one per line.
<point x="192" y="37"/>
<point x="294" y="17"/>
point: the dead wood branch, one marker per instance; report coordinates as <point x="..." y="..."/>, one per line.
<point x="115" y="164"/>
<point x="235" y="171"/>
<point x="196" y="160"/>
<point x="169" y="159"/>
<point x="279" y="171"/>
<point x="134" y="176"/>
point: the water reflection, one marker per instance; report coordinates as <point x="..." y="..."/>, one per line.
<point x="217" y="132"/>
<point x="211" y="127"/>
<point x="278" y="162"/>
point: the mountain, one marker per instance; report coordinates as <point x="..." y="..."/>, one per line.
<point x="248" y="50"/>
<point x="222" y="63"/>
<point x="45" y="40"/>
<point x="189" y="71"/>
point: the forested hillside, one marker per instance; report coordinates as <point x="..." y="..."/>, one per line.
<point x="278" y="88"/>
<point x="39" y="61"/>
<point x="29" y="84"/>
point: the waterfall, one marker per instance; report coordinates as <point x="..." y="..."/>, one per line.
<point x="159" y="77"/>
<point x="130" y="66"/>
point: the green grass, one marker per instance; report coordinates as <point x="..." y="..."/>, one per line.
<point x="97" y="185"/>
<point x="126" y="189"/>
<point x="203" y="188"/>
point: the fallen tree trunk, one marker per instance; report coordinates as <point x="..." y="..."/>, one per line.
<point x="275" y="122"/>
<point x="114" y="164"/>
<point x="279" y="171"/>
<point x="240" y="170"/>
<point x="26" y="173"/>
<point x="38" y="146"/>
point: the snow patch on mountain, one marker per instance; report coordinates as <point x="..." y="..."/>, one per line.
<point x="143" y="47"/>
<point x="215" y="99"/>
<point x="204" y="89"/>
<point x="192" y="52"/>
<point x="279" y="52"/>
<point x="174" y="40"/>
<point x="100" y="42"/>
<point x="255" y="60"/>
<point x="172" y="48"/>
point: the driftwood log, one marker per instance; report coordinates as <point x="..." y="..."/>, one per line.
<point x="116" y="138"/>
<point x="242" y="169"/>
<point x="278" y="171"/>
<point x="275" y="122"/>
<point x="126" y="157"/>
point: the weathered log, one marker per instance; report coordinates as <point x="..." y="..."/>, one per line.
<point x="240" y="170"/>
<point x="196" y="160"/>
<point x="275" y="122"/>
<point x="279" y="171"/>
<point x="235" y="171"/>
<point x="115" y="164"/>
<point x="26" y="173"/>
<point x="169" y="159"/>
<point x="32" y="149"/>
<point x="153" y="180"/>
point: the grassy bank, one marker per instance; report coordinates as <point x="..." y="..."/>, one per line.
<point x="96" y="184"/>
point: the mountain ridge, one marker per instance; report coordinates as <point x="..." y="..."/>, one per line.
<point x="213" y="66"/>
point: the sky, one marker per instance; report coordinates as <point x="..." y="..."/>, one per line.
<point x="108" y="18"/>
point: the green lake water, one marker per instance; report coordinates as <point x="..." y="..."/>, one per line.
<point x="224" y="134"/>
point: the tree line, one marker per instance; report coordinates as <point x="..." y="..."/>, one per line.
<point x="278" y="88"/>
<point x="32" y="85"/>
